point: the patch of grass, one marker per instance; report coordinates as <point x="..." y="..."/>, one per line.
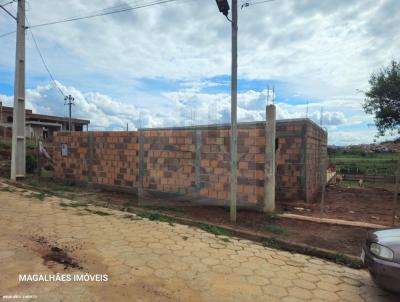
<point x="215" y="230"/>
<point x="73" y="205"/>
<point x="155" y="216"/>
<point x="164" y="208"/>
<point x="39" y="196"/>
<point x="271" y="242"/>
<point x="276" y="229"/>
<point x="274" y="216"/>
<point x="5" y="145"/>
<point x="7" y="189"/>
<point x="100" y="213"/>
<point x="129" y="203"/>
<point x="343" y="260"/>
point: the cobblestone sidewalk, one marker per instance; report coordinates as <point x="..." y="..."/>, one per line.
<point x="155" y="261"/>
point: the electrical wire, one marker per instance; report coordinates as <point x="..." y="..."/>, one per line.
<point x="7" y="34"/>
<point x="102" y="13"/>
<point x="44" y="62"/>
<point x="7" y="3"/>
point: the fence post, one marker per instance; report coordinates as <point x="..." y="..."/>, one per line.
<point x="396" y="193"/>
<point x="269" y="166"/>
<point x="198" y="159"/>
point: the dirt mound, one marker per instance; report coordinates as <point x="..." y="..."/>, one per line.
<point x="60" y="256"/>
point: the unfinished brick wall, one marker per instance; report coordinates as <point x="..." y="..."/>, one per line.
<point x="196" y="161"/>
<point x="105" y="158"/>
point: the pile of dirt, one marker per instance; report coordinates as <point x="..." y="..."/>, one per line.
<point x="58" y="255"/>
<point x="53" y="254"/>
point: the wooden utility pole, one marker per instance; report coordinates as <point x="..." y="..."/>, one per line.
<point x="234" y="113"/>
<point x="18" y="133"/>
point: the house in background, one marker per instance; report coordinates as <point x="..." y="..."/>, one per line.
<point x="39" y="125"/>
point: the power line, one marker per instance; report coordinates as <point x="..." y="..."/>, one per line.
<point x="102" y="13"/>
<point x="7" y="34"/>
<point x="44" y="62"/>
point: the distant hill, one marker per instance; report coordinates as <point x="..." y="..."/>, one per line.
<point x="384" y="147"/>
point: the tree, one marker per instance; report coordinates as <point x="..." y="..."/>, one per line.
<point x="383" y="99"/>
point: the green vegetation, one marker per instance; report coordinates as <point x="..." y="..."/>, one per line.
<point x="163" y="208"/>
<point x="31" y="164"/>
<point x="343" y="260"/>
<point x="100" y="213"/>
<point x="73" y="205"/>
<point x="215" y="230"/>
<point x="40" y="196"/>
<point x="271" y="242"/>
<point x="129" y="203"/>
<point x="5" y="145"/>
<point x="383" y="99"/>
<point x="276" y="229"/>
<point x="155" y="216"/>
<point x="374" y="163"/>
<point x="7" y="189"/>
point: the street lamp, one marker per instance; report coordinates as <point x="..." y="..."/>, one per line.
<point x="224" y="9"/>
<point x="223" y="6"/>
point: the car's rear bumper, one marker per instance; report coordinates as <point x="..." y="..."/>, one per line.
<point x="385" y="273"/>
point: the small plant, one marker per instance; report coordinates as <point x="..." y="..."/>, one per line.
<point x="73" y="205"/>
<point x="215" y="230"/>
<point x="155" y="216"/>
<point x="164" y="208"/>
<point x="100" y="213"/>
<point x="40" y="196"/>
<point x="5" y="145"/>
<point x="31" y="164"/>
<point x="271" y="242"/>
<point x="129" y="203"/>
<point x="276" y="229"/>
<point x="7" y="189"/>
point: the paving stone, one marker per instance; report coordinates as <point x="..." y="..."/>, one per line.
<point x="146" y="260"/>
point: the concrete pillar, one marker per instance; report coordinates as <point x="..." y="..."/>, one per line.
<point x="198" y="159"/>
<point x="269" y="167"/>
<point x="141" y="165"/>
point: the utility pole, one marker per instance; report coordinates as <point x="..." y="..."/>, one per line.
<point x="223" y="7"/>
<point x="18" y="133"/>
<point x="234" y="112"/>
<point x="69" y="100"/>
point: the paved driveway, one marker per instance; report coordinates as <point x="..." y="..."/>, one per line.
<point x="152" y="261"/>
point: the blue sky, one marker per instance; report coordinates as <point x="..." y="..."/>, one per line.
<point x="170" y="64"/>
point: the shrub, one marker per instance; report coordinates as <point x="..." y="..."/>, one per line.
<point x="31" y="164"/>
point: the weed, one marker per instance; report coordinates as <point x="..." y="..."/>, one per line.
<point x="274" y="216"/>
<point x="39" y="196"/>
<point x="156" y="216"/>
<point x="343" y="260"/>
<point x="215" y="230"/>
<point x="100" y="213"/>
<point x="185" y="238"/>
<point x="225" y="239"/>
<point x="276" y="229"/>
<point x="7" y="189"/>
<point x="164" y="208"/>
<point x="73" y="205"/>
<point x="129" y="203"/>
<point x="5" y="145"/>
<point x="271" y="242"/>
